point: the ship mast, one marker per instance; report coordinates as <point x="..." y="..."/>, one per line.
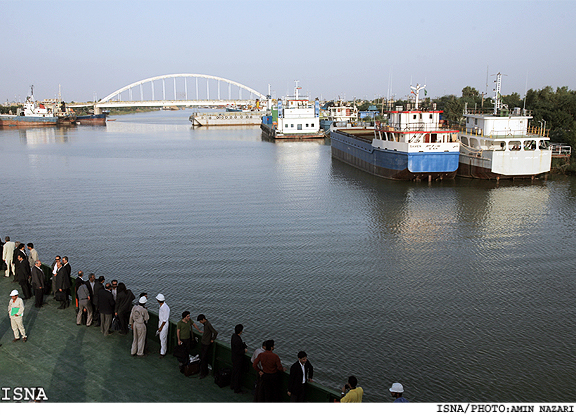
<point x="497" y="96"/>
<point x="296" y="88"/>
<point x="416" y="91"/>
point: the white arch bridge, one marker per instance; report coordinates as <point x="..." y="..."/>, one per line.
<point x="154" y="92"/>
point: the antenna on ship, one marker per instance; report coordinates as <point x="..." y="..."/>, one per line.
<point x="498" y="95"/>
<point x="486" y="90"/>
<point x="296" y="88"/>
<point x="416" y="91"/>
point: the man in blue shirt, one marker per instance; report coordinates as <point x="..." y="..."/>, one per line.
<point x="396" y="391"/>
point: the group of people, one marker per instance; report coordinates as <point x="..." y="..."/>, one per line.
<point x="98" y="302"/>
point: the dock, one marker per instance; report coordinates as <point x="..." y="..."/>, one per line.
<point x="74" y="363"/>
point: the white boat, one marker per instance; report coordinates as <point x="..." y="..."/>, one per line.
<point x="339" y="115"/>
<point x="502" y="145"/>
<point x="295" y="118"/>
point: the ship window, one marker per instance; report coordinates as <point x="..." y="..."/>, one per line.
<point x="499" y="146"/>
<point x="514" y="145"/>
<point x="291" y="125"/>
<point x="544" y="145"/>
<point x="530" y="145"/>
<point x="475" y="121"/>
<point x="414" y="116"/>
<point x="430" y="116"/>
<point x="299" y="126"/>
<point x="306" y="125"/>
<point x="464" y="140"/>
<point x="312" y="125"/>
<point x="285" y="125"/>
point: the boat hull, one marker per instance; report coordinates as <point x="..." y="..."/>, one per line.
<point x="93" y="119"/>
<point x="27" y="121"/>
<point x="226" y="119"/>
<point x="269" y="133"/>
<point x="389" y="164"/>
<point x="496" y="165"/>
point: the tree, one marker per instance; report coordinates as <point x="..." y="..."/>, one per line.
<point x="468" y="91"/>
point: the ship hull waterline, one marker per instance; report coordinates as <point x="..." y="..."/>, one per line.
<point x="393" y="165"/>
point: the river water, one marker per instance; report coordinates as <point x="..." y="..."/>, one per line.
<point x="461" y="290"/>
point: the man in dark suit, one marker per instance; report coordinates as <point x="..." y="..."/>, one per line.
<point x="300" y="373"/>
<point x="23" y="274"/>
<point x="68" y="276"/>
<point x="38" y="284"/>
<point x="61" y="285"/>
<point x="106" y="305"/>
<point x="238" y="349"/>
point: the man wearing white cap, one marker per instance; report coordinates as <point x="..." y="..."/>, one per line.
<point x="396" y="391"/>
<point x="163" y="317"/>
<point x="16" y="311"/>
<point x="138" y="318"/>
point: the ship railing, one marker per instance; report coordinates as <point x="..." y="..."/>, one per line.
<point x="501" y="113"/>
<point x="530" y="132"/>
<point x="560" y="150"/>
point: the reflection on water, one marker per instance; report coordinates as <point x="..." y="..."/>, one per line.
<point x="461" y="290"/>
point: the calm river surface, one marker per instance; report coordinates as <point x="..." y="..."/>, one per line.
<point x="461" y="290"/>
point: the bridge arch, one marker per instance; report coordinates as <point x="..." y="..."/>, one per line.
<point x="164" y="77"/>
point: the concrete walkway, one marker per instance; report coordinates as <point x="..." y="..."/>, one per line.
<point x="79" y="364"/>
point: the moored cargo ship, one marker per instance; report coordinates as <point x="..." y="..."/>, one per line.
<point x="295" y="118"/>
<point x="34" y="114"/>
<point x="412" y="146"/>
<point x="228" y="118"/>
<point x="501" y="145"/>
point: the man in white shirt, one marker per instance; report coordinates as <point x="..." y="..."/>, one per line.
<point x="8" y="257"/>
<point x="163" y="323"/>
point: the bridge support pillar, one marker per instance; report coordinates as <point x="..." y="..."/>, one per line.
<point x="97" y="110"/>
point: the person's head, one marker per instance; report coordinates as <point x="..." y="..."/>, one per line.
<point x="21" y="247"/>
<point x="115" y="284"/>
<point x="80" y="274"/>
<point x="57" y="259"/>
<point x="302" y="357"/>
<point x="201" y="318"/>
<point x="30" y="245"/>
<point x="238" y="329"/>
<point x="269" y="345"/>
<point x="101" y="279"/>
<point x="14" y="295"/>
<point x="396" y="390"/>
<point x="142" y="300"/>
<point x="7" y="239"/>
<point x="143" y="295"/>
<point x="65" y="260"/>
<point x="38" y="263"/>
<point x="186" y="316"/>
<point x="20" y="257"/>
<point x="108" y="286"/>
<point x="160" y="298"/>
<point x="121" y="286"/>
<point x="92" y="277"/>
<point x="352" y="381"/>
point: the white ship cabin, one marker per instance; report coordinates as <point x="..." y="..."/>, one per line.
<point x="415" y="126"/>
<point x="502" y="131"/>
<point x="298" y="116"/>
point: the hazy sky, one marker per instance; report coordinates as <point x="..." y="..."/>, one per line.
<point x="334" y="48"/>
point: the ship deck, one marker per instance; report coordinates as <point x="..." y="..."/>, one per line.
<point x="78" y="364"/>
